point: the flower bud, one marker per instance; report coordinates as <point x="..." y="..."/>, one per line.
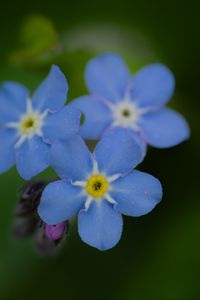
<point x="30" y="197"/>
<point x="49" y="238"/>
<point x="25" y="226"/>
<point x="55" y="232"/>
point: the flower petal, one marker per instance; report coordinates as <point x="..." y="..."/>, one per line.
<point x="100" y="225"/>
<point x="32" y="157"/>
<point x="52" y="92"/>
<point x="118" y="152"/>
<point x="8" y="138"/>
<point x="137" y="193"/>
<point x="164" y="128"/>
<point x="97" y="116"/>
<point x="71" y="158"/>
<point x="152" y="86"/>
<point x="61" y="125"/>
<point x="13" y="101"/>
<point x="60" y="201"/>
<point x="140" y="141"/>
<point x="18" y="92"/>
<point x="107" y="76"/>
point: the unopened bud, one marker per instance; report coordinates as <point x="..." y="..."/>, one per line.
<point x="49" y="238"/>
<point x="30" y="198"/>
<point x="25" y="226"/>
<point x="55" y="232"/>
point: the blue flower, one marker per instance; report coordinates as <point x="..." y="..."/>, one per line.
<point x="99" y="187"/>
<point x="137" y="103"/>
<point x="28" y="127"/>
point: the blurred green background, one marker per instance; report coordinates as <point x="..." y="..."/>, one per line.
<point x="159" y="254"/>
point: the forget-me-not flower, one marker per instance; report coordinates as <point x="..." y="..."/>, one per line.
<point x="29" y="126"/>
<point x="137" y="103"/>
<point x="99" y="187"/>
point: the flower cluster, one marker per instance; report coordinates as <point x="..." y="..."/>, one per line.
<point x="124" y="113"/>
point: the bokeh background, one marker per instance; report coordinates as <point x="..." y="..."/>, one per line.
<point x="159" y="254"/>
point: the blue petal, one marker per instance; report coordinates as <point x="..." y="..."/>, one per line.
<point x="32" y="157"/>
<point x="8" y="138"/>
<point x="61" y="125"/>
<point x="71" y="158"/>
<point x="107" y="76"/>
<point x="152" y="86"/>
<point x="18" y="92"/>
<point x="101" y="225"/>
<point x="97" y="116"/>
<point x="13" y="101"/>
<point x="118" y="152"/>
<point x="52" y="92"/>
<point x="140" y="141"/>
<point x="137" y="193"/>
<point x="164" y="128"/>
<point x="60" y="201"/>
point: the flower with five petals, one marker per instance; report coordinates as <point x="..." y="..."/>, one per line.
<point x="28" y="127"/>
<point x="98" y="187"/>
<point x="138" y="103"/>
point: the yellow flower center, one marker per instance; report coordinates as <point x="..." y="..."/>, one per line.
<point x="97" y="186"/>
<point x="29" y="124"/>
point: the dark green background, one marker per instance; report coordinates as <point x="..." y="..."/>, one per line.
<point x="159" y="254"/>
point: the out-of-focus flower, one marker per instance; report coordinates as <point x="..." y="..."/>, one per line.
<point x="27" y="223"/>
<point x="29" y="197"/>
<point x="28" y="127"/>
<point x="26" y="219"/>
<point x="49" y="238"/>
<point x="99" y="187"/>
<point x="136" y="103"/>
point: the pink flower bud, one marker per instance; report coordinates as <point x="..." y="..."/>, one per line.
<point x="55" y="232"/>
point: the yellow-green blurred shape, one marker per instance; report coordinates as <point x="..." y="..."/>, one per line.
<point x="37" y="36"/>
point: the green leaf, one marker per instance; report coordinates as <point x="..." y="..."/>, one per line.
<point x="36" y="37"/>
